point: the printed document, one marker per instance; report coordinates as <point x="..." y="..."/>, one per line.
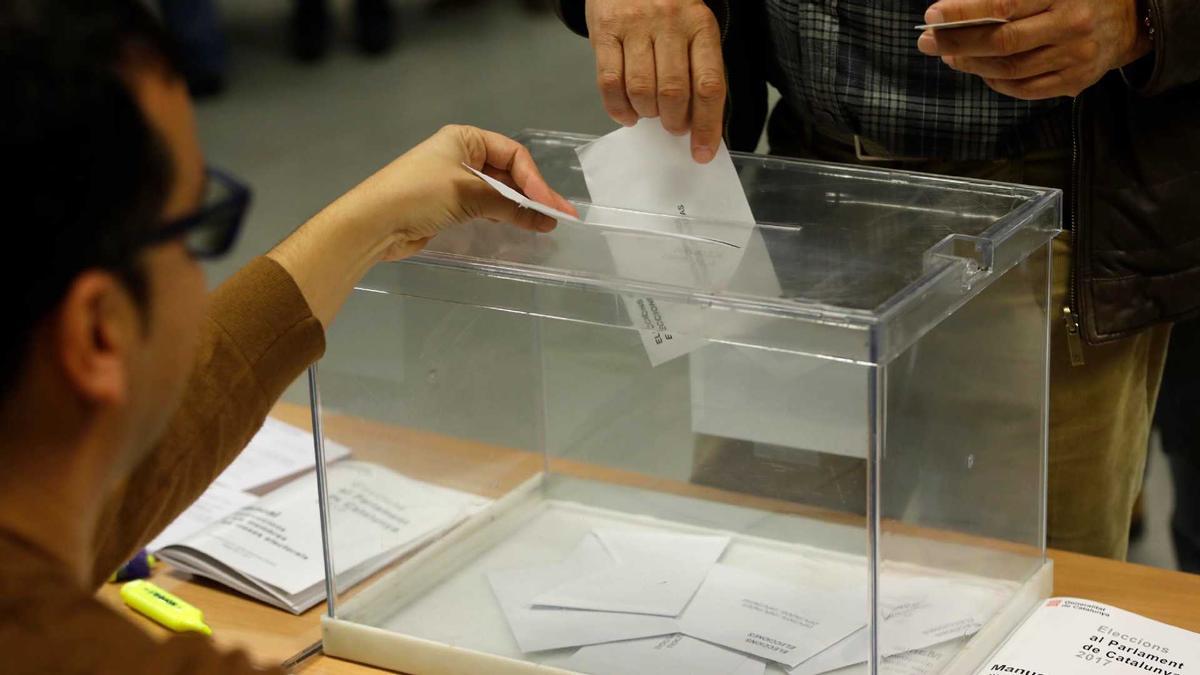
<point x="1069" y="636"/>
<point x="277" y="451"/>
<point x="1063" y="636"/>
<point x="217" y="502"/>
<point x="272" y="549"/>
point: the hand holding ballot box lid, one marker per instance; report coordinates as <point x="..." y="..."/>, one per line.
<point x="594" y="382"/>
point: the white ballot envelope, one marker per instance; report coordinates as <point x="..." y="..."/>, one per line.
<point x="669" y="655"/>
<point x="918" y="612"/>
<point x="654" y="573"/>
<point x="646" y="168"/>
<point x="762" y="617"/>
<point x="537" y="629"/>
<point x="925" y="661"/>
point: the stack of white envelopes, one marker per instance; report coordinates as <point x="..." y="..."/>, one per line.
<point x="646" y="601"/>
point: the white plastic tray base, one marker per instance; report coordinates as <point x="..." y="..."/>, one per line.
<point x="435" y="614"/>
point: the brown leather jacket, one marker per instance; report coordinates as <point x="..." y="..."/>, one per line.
<point x="1133" y="207"/>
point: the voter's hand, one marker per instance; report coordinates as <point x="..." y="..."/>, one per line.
<point x="1049" y="48"/>
<point x="661" y="58"/>
<point x="428" y="189"/>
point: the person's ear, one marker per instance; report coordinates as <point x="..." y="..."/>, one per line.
<point x="99" y="326"/>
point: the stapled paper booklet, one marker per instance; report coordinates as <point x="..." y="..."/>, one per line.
<point x="278" y="451"/>
<point x="270" y="549"/>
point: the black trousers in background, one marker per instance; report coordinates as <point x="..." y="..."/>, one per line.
<point x="1178" y="420"/>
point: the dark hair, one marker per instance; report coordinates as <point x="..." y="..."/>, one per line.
<point x="86" y="173"/>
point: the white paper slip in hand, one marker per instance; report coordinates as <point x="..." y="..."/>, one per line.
<point x="670" y="655"/>
<point x="520" y="199"/>
<point x="965" y="23"/>
<point x="539" y="629"/>
<point x="757" y="615"/>
<point x="655" y="573"/>
<point x="562" y="216"/>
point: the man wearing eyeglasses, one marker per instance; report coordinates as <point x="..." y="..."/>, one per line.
<point x="121" y="397"/>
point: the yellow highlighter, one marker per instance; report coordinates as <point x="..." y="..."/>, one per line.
<point x="163" y="607"/>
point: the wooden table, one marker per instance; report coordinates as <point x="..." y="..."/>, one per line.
<point x="275" y="637"/>
<point x="272" y="636"/>
<point x="1171" y="597"/>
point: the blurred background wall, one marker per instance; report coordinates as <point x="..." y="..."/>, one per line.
<point x="303" y="132"/>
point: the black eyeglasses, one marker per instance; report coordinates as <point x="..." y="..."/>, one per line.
<point x="212" y="229"/>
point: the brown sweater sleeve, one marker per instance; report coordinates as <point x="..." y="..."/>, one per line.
<point x="258" y="336"/>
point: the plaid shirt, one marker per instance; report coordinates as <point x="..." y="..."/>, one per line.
<point x="853" y="66"/>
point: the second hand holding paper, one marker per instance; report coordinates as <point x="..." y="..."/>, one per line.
<point x="564" y="217"/>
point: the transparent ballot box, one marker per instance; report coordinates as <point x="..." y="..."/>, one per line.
<point x="819" y="449"/>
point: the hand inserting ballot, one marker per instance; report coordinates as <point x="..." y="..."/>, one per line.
<point x="661" y="58"/>
<point x="394" y="213"/>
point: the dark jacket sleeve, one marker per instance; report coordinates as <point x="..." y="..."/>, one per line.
<point x="258" y="336"/>
<point x="572" y="14"/>
<point x="1176" y="57"/>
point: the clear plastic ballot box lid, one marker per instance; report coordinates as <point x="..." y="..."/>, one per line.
<point x="653" y="442"/>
